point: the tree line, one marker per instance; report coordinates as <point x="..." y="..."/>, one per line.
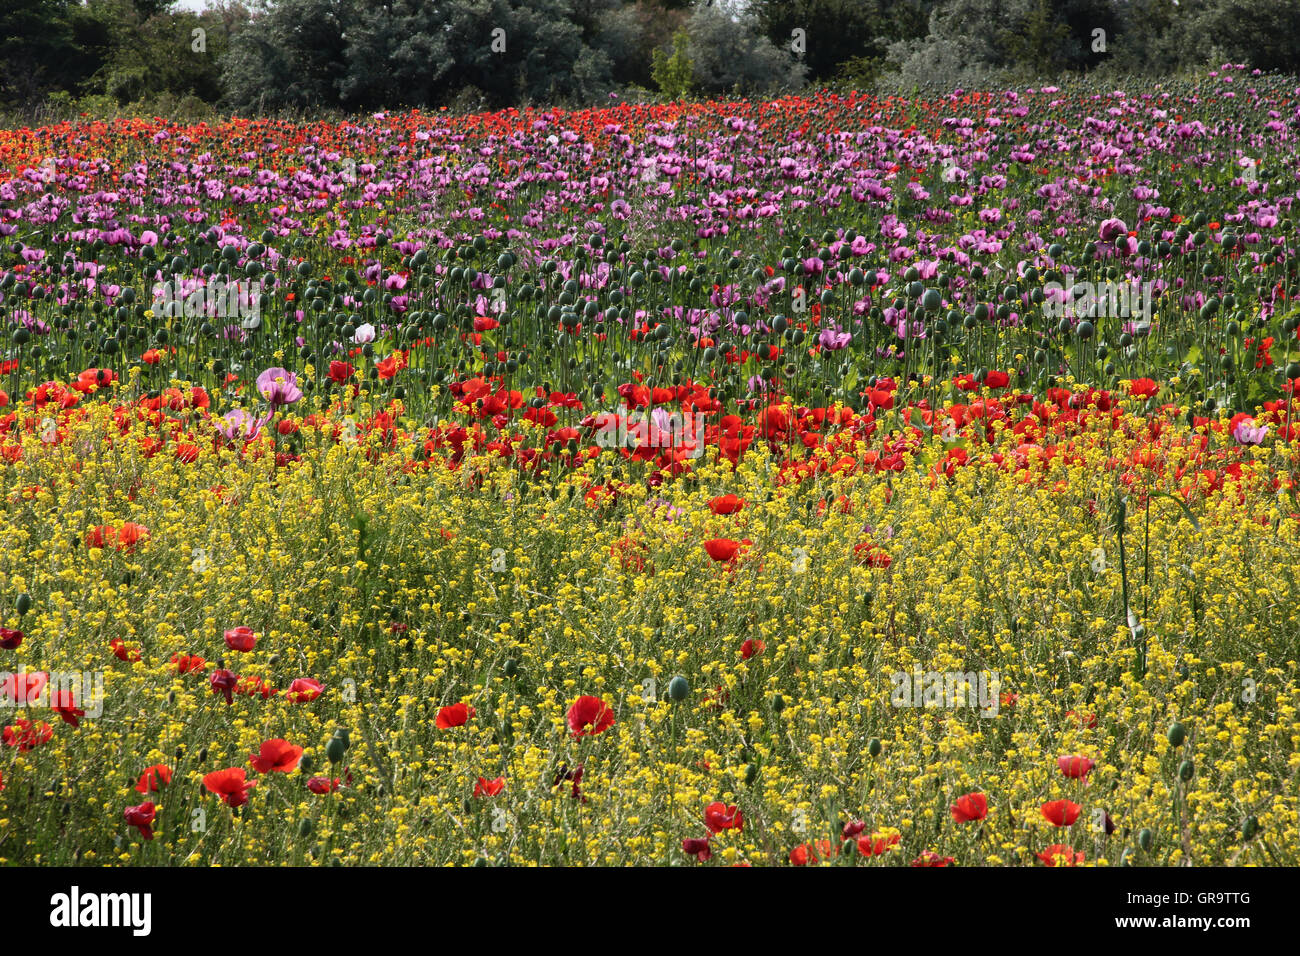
<point x="276" y="57"/>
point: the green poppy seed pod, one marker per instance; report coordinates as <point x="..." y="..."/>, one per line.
<point x="678" y="688"/>
<point x="24" y="603"/>
<point x="1186" y="770"/>
<point x="874" y="747"/>
<point x="1177" y="734"/>
<point x="335" y="749"/>
<point x="1146" y="839"/>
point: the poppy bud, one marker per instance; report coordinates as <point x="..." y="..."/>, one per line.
<point x="1186" y="770"/>
<point x="1177" y="734"/>
<point x="751" y="774"/>
<point x="678" y="688"/>
<point x="1249" y="827"/>
<point x="305" y="763"/>
<point x="873" y="746"/>
<point x="24" y="603"/>
<point x="202" y="755"/>
<point x="1145" y="839"/>
<point x="304" y="828"/>
<point x="335" y="749"/>
<point x="511" y="667"/>
<point x="778" y="703"/>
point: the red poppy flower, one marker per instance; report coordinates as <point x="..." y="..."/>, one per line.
<point x="726" y="505"/>
<point x="1143" y="388"/>
<point x="589" y="715"/>
<point x="154" y="778"/>
<point x="751" y="647"/>
<point x="141" y="818"/>
<point x="25" y="735"/>
<point x="725" y="550"/>
<point x="1060" y="813"/>
<point x="250" y="686"/>
<point x="340" y="372"/>
<point x="10" y="639"/>
<point x="810" y="854"/>
<point x="973" y="806"/>
<point x="1084" y="720"/>
<point x="223" y="682"/>
<point x="997" y="379"/>
<point x="574" y="775"/>
<point x="698" y="848"/>
<point x="1076" y="768"/>
<point x="122" y="652"/>
<point x="124" y="538"/>
<point x="323" y="784"/>
<point x="24" y="688"/>
<point x="870" y="555"/>
<point x="189" y="663"/>
<point x="489" y="788"/>
<point x="930" y="858"/>
<point x="64" y="703"/>
<point x="304" y="689"/>
<point x="390" y="366"/>
<point x="230" y="785"/>
<point x="1058" y="854"/>
<point x="877" y="843"/>
<point x="718" y="816"/>
<point x="276" y="756"/>
<point x="454" y="715"/>
<point x="241" y="639"/>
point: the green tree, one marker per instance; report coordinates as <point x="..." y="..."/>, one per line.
<point x="47" y="45"/>
<point x="673" y="73"/>
<point x="838" y="32"/>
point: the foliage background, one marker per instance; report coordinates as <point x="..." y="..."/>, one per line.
<point x="103" y="58"/>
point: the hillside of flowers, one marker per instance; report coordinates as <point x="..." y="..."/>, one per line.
<point x="581" y="488"/>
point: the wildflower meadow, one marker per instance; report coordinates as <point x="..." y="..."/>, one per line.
<point x="839" y="480"/>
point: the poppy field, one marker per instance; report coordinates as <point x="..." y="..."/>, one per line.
<point x="835" y="480"/>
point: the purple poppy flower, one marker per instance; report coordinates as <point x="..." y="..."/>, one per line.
<point x="1248" y="433"/>
<point x="279" y="387"/>
<point x="238" y="424"/>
